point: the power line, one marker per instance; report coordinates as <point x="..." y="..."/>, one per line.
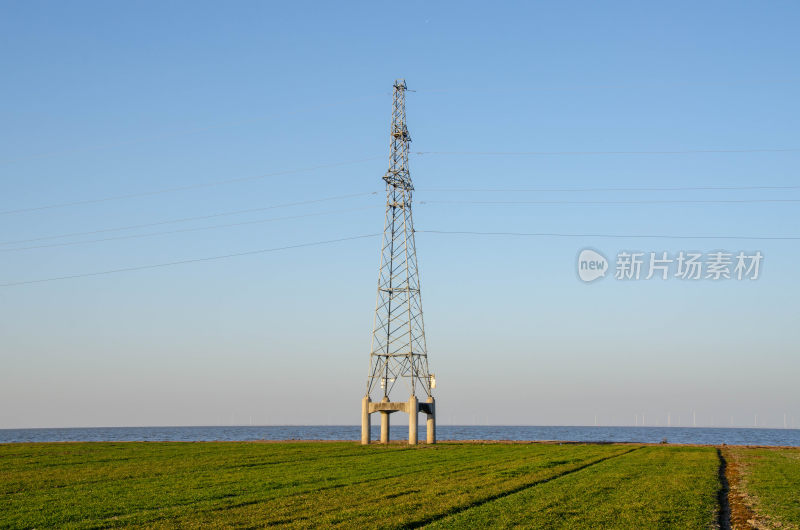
<point x="339" y="197"/>
<point x="613" y="236"/>
<point x="195" y="229"/>
<point x="186" y="219"/>
<point x="572" y="88"/>
<point x="610" y="189"/>
<point x="189" y="187"/>
<point x="675" y="152"/>
<point x="439" y="232"/>
<point x="655" y="201"/>
<point x="349" y="162"/>
<point x="178" y="134"/>
<point x="195" y="130"/>
<point x="195" y="260"/>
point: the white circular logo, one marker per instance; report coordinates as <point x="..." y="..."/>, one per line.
<point x="591" y="265"/>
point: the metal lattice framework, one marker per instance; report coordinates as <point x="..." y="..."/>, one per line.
<point x="398" y="351"/>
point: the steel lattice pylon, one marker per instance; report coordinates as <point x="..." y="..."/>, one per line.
<point x="398" y="336"/>
<point x="398" y="350"/>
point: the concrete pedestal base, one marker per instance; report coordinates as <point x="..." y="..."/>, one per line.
<point x="385" y="407"/>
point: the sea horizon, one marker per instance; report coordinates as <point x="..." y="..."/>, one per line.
<point x="521" y="433"/>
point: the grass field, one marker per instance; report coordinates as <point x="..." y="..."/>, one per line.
<point x="97" y="485"/>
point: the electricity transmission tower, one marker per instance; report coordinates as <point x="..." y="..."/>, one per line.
<point x="398" y="353"/>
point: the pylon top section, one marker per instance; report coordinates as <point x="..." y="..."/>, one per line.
<point x="398" y="175"/>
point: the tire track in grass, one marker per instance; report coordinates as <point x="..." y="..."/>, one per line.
<point x="175" y="511"/>
<point x="163" y="513"/>
<point x="466" y="466"/>
<point x="183" y="472"/>
<point x="479" y="502"/>
<point x="655" y="487"/>
<point x="724" y="508"/>
<point x="358" y="498"/>
<point x="181" y="494"/>
<point x="510" y="461"/>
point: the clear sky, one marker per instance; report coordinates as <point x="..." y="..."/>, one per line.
<point x="100" y="100"/>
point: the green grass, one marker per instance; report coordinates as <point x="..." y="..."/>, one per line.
<point x="771" y="479"/>
<point x="653" y="487"/>
<point x="94" y="485"/>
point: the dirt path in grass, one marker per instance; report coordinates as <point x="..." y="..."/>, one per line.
<point x="741" y="514"/>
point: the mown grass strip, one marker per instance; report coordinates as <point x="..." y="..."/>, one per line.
<point x="655" y="487"/>
<point x="768" y="484"/>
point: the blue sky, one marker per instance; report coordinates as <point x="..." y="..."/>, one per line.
<point x="102" y="100"/>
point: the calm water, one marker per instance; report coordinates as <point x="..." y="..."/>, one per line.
<point x="444" y="432"/>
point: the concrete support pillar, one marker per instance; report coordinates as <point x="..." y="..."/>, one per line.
<point x="385" y="422"/>
<point x="431" y="423"/>
<point x="365" y="421"/>
<point x="413" y="408"/>
<point x="384" y="427"/>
